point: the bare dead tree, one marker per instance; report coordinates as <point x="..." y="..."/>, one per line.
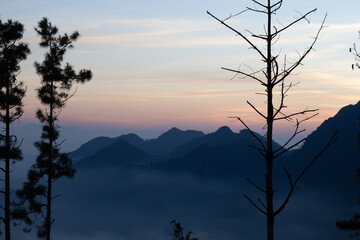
<point x="356" y="53"/>
<point x="274" y="75"/>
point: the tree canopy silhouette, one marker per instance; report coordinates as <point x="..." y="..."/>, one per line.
<point x="12" y="91"/>
<point x="274" y="74"/>
<point x="352" y="224"/>
<point x="178" y="232"/>
<point x="56" y="82"/>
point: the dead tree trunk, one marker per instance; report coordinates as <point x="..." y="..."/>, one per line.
<point x="270" y="76"/>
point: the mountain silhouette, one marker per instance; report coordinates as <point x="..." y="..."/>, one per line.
<point x="91" y="147"/>
<point x="222" y="136"/>
<point x="235" y="159"/>
<point x="225" y="153"/>
<point x="204" y="182"/>
<point x="169" y="140"/>
<point x="159" y="146"/>
<point x="336" y="168"/>
<point x="222" y="153"/>
<point x="119" y="153"/>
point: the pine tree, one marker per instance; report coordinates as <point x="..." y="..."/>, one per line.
<point x="56" y="82"/>
<point x="12" y="91"/>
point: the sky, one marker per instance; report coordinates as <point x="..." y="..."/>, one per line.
<point x="157" y="64"/>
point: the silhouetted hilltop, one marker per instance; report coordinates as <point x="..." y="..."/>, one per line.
<point x="235" y="159"/>
<point x="222" y="136"/>
<point x="337" y="166"/>
<point x="91" y="147"/>
<point x="218" y="154"/>
<point x="225" y="150"/>
<point x="169" y="140"/>
<point x="119" y="153"/>
<point x="159" y="146"/>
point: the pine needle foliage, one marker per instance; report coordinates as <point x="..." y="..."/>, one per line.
<point x="56" y="83"/>
<point x="12" y="91"/>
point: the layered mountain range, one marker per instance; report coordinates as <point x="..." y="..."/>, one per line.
<point x="126" y="183"/>
<point x="224" y="152"/>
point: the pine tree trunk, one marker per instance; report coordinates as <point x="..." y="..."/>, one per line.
<point x="48" y="210"/>
<point x="7" y="170"/>
<point x="51" y="159"/>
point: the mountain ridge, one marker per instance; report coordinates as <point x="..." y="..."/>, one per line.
<point x="223" y="147"/>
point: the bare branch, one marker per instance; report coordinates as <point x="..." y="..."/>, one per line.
<point x="258" y="36"/>
<point x="288" y="71"/>
<point x="296" y="132"/>
<point x="256" y="186"/>
<point x="289" y="25"/>
<point x="245" y="74"/>
<point x="291" y="147"/>
<point x="293" y="185"/>
<point x="254" y="204"/>
<point x="256" y="110"/>
<point x="239" y="33"/>
<point x="289" y="177"/>
<point x="260" y="4"/>
<point x="252" y="133"/>
<point x="262" y="204"/>
<point x="256" y="10"/>
<point x="297" y="113"/>
<point x="283" y="95"/>
<point x="234" y="15"/>
<point x="279" y="3"/>
<point x="59" y="195"/>
<point x="261" y="151"/>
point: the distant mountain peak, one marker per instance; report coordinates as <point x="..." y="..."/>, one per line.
<point x="176" y="132"/>
<point x="174" y="129"/>
<point x="349" y="109"/>
<point x="224" y="130"/>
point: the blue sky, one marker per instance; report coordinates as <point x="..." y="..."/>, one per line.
<point x="157" y="63"/>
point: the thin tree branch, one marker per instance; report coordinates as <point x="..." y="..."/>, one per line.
<point x="291" y="147"/>
<point x="289" y="25"/>
<point x="239" y="33"/>
<point x="256" y="110"/>
<point x="293" y="185"/>
<point x="261" y="151"/>
<point x="275" y="4"/>
<point x="260" y="4"/>
<point x="295" y="114"/>
<point x="296" y="132"/>
<point x="252" y="133"/>
<point x="262" y="204"/>
<point x="234" y="15"/>
<point x="299" y="61"/>
<point x="254" y="204"/>
<point x="245" y="74"/>
<point x="256" y="186"/>
<point x="256" y="10"/>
